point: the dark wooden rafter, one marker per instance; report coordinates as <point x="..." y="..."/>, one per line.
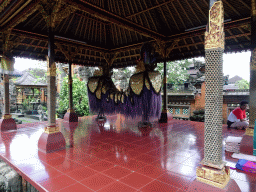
<point x="192" y="10"/>
<point x="110" y="17"/>
<point x="178" y="15"/>
<point x="148" y="9"/>
<point x="200" y="9"/>
<point x="225" y="1"/>
<point x="185" y="13"/>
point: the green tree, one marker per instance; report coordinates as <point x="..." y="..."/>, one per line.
<point x="80" y="97"/>
<point x="176" y="71"/>
<point x="243" y="84"/>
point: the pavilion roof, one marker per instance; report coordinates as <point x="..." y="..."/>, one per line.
<point x="28" y="80"/>
<point x="96" y="27"/>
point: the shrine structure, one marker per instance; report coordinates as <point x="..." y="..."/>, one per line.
<point x="112" y="34"/>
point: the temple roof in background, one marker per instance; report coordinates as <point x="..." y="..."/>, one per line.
<point x="28" y="80"/>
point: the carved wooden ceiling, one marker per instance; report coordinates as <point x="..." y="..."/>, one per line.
<point x="93" y="28"/>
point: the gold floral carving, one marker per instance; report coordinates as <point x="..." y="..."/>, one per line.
<point x="136" y="83"/>
<point x="119" y="96"/>
<point x="253" y="7"/>
<point x="215" y="177"/>
<point x="4" y="4"/>
<point x="7" y="116"/>
<point x="93" y="83"/>
<point x="249" y="131"/>
<point x="215" y="37"/>
<point x="51" y="130"/>
<point x="54" y="11"/>
<point x="51" y="70"/>
<point x="147" y="83"/>
<point x="105" y="89"/>
<point x="156" y="80"/>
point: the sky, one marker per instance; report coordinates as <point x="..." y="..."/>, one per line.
<point x="233" y="64"/>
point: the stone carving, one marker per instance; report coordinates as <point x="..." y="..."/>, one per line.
<point x="214" y="38"/>
<point x="85" y="72"/>
<point x="40" y="112"/>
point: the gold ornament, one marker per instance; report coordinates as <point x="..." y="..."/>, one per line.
<point x="93" y="84"/>
<point x="215" y="37"/>
<point x="51" y="129"/>
<point x="156" y="80"/>
<point x="147" y="83"/>
<point x="136" y="83"/>
<point x="249" y="132"/>
<point x="215" y="177"/>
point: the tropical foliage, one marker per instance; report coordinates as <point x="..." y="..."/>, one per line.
<point x="80" y="97"/>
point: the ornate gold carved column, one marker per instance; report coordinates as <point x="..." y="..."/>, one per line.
<point x="213" y="170"/>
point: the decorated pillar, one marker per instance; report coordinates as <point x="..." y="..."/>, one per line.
<point x="164" y="117"/>
<point x="213" y="170"/>
<point x="7" y="65"/>
<point x="252" y="102"/>
<point x="164" y="50"/>
<point x="52" y="139"/>
<point x="69" y="52"/>
<point x="70" y="116"/>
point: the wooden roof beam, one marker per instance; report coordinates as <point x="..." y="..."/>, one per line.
<point x="115" y="19"/>
<point x="150" y="8"/>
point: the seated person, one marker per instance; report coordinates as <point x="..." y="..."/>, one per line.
<point x="237" y="117"/>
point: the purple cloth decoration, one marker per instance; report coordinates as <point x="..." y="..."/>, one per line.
<point x="147" y="104"/>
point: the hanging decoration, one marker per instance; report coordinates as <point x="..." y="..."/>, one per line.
<point x="142" y="98"/>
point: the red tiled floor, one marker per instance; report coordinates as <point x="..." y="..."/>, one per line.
<point x="101" y="166"/>
<point x="151" y="171"/>
<point x="117" y="172"/>
<point x="100" y="157"/>
<point x="45" y="174"/>
<point x="97" y="181"/>
<point x="57" y="183"/>
<point x="136" y="180"/>
<point x="81" y="173"/>
<point x="157" y="186"/>
<point x="176" y="180"/>
<point x="76" y="188"/>
<point x="117" y="186"/>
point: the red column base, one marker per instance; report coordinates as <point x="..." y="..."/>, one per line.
<point x="71" y="117"/>
<point x="246" y="146"/>
<point x="196" y="186"/>
<point x="7" y="124"/>
<point x="49" y="143"/>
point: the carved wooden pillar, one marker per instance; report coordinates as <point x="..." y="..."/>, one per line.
<point x="7" y="65"/>
<point x="164" y="50"/>
<point x="52" y="139"/>
<point x="252" y="103"/>
<point x="213" y="170"/>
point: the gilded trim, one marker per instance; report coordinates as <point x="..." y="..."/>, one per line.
<point x="51" y="71"/>
<point x="51" y="129"/>
<point x="215" y="37"/>
<point x="249" y="132"/>
<point x="215" y="177"/>
<point x="7" y="116"/>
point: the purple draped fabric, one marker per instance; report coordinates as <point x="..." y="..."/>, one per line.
<point x="147" y="104"/>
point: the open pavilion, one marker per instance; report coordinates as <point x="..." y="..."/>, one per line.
<point x="110" y="34"/>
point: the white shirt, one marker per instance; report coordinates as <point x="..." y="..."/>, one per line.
<point x="233" y="118"/>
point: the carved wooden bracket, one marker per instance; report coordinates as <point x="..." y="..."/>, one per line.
<point x="69" y="51"/>
<point x="162" y="48"/>
<point x="8" y="44"/>
<point x="54" y="11"/>
<point x="110" y="58"/>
